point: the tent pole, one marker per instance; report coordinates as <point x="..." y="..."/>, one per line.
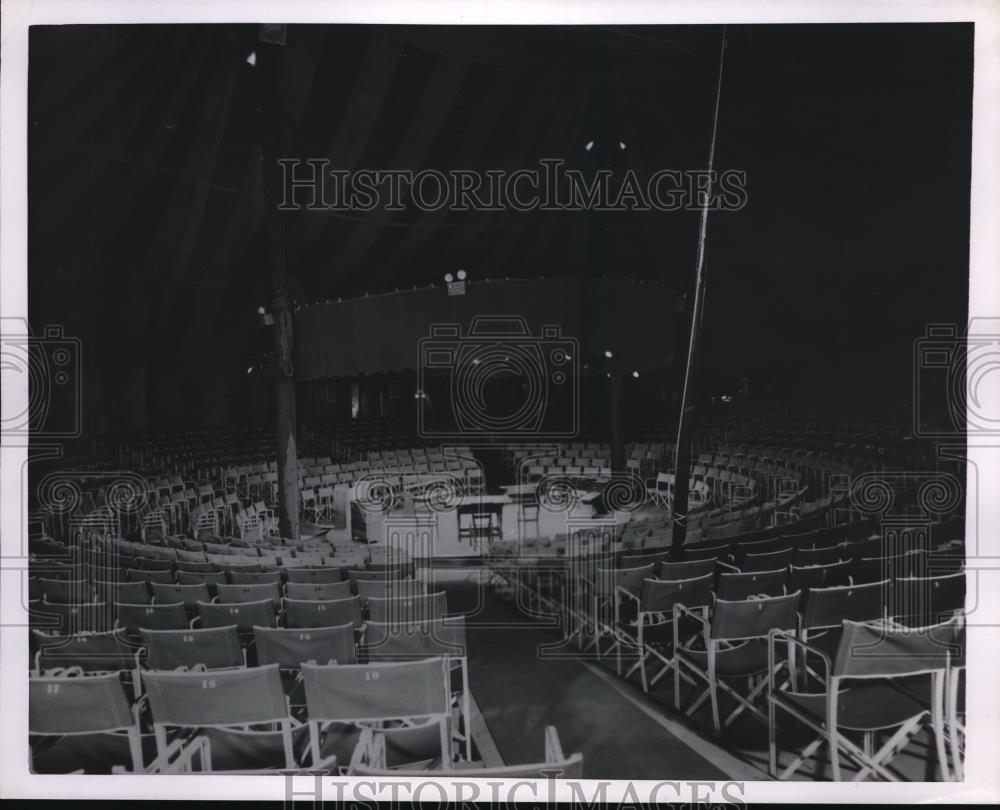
<point x="682" y="466"/>
<point x="274" y="140"/>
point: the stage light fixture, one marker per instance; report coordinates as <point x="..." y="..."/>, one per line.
<point x="252" y="59"/>
<point x="608" y="354"/>
<point x="621" y="145"/>
<point x="635" y="374"/>
<point x="589" y="146"/>
<point x="456" y="287"/>
<point x="261" y="310"/>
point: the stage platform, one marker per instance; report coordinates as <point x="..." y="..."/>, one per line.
<point x="446" y="536"/>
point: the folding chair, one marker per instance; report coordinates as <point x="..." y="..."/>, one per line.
<point x="826" y="609"/>
<point x="884" y="679"/>
<point x="189" y="595"/>
<point x="768" y="561"/>
<point x="85" y="653"/>
<point x="928" y="600"/>
<point x="316" y="575"/>
<point x="133" y="618"/>
<point x="660" y="491"/>
<point x="388" y="574"/>
<point x="245" y="615"/>
<point x="689" y="569"/>
<point x="602" y="594"/>
<point x="407" y="609"/>
<point x="143" y="575"/>
<point x="209" y="579"/>
<point x="378" y="693"/>
<point x="650" y="633"/>
<point x="640" y="558"/>
<point x="211" y="648"/>
<point x="703" y="552"/>
<point x="255" y="578"/>
<point x="320" y="590"/>
<point x="193" y="567"/>
<point x="289" y="648"/>
<point x="302" y="613"/>
<point x="136" y="593"/>
<point x="154" y="563"/>
<point x="735" y="648"/>
<point x="821" y="556"/>
<point x="383" y="589"/>
<point x="803" y="578"/>
<point x="223" y="705"/>
<point x="82" y="723"/>
<point x="66" y="591"/>
<point x="736" y="586"/>
<point x="954" y="720"/>
<point x="250" y="593"/>
<point x="443" y="637"/>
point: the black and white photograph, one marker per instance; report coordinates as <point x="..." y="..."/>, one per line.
<point x="443" y="406"/>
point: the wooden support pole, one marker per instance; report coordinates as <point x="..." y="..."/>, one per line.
<point x="682" y="467"/>
<point x="274" y="141"/>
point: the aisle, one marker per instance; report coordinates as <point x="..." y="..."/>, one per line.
<point x="519" y="694"/>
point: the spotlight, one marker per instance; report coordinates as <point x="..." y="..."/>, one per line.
<point x="635" y="374"/>
<point x="589" y="146"/>
<point x="261" y="310"/>
<point x="252" y="59"/>
<point x="456" y="287"/>
<point x="250" y="370"/>
<point x="621" y="145"/>
<point x="608" y="354"/>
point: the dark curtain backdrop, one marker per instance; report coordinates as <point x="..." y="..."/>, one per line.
<point x="383" y="333"/>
